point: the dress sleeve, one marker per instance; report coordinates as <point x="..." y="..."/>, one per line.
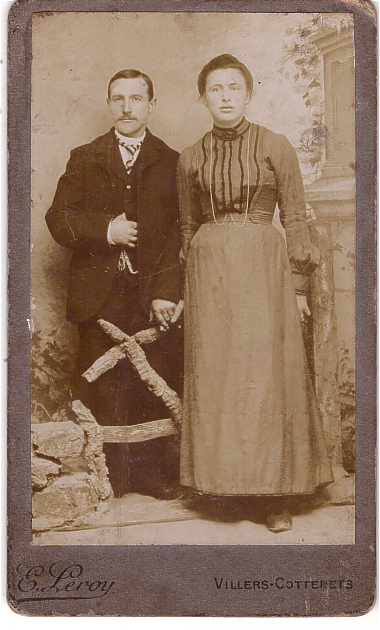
<point x="189" y="203"/>
<point x="303" y="256"/>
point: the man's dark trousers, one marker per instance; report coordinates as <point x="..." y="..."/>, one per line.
<point x="119" y="397"/>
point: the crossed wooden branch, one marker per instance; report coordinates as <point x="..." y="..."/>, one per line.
<point x="130" y="347"/>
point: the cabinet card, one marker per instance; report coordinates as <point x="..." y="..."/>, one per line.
<point x="216" y="157"/>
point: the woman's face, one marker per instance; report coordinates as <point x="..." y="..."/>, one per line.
<point x="226" y="96"/>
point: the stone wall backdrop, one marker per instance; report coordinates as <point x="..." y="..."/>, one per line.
<point x="75" y="55"/>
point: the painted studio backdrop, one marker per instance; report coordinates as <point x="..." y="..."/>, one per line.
<point x="303" y="69"/>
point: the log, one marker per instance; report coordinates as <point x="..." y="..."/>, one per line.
<point x="110" y="358"/>
<point x="156" y="384"/>
<point x="94" y="448"/>
<point x="140" y="432"/>
<point x="106" y="362"/>
<point x="149" y="335"/>
<point x="145" y="336"/>
<point x="97" y="434"/>
<point x="117" y="335"/>
<point x="129" y="347"/>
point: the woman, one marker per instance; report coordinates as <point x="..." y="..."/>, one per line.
<point x="250" y="424"/>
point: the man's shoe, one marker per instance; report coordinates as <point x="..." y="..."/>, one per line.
<point x="120" y="487"/>
<point x="119" y="492"/>
<point x="165" y="491"/>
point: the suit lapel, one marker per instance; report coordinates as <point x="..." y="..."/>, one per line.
<point x="109" y="156"/>
<point x="149" y="154"/>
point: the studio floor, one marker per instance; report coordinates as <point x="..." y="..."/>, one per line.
<point x="140" y="520"/>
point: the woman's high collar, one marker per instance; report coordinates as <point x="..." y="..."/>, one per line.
<point x="230" y="133"/>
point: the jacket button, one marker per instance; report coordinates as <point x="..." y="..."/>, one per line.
<point x="128" y="187"/>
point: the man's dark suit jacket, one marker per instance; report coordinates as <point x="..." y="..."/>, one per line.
<point x="91" y="192"/>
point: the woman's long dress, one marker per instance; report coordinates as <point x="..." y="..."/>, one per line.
<point x="250" y="422"/>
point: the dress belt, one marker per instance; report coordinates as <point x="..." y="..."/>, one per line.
<point x="236" y="217"/>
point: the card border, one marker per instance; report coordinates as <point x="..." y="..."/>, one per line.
<point x="186" y="586"/>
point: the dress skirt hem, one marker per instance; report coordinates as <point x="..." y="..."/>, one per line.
<point x="294" y="494"/>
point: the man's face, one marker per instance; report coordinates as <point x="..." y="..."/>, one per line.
<point x="129" y="106"/>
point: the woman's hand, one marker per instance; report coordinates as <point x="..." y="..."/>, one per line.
<point x="162" y="312"/>
<point x="165" y="312"/>
<point x="177" y="312"/>
<point x="303" y="307"/>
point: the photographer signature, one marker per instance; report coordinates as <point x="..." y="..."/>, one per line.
<point x="59" y="582"/>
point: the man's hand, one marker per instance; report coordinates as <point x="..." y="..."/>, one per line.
<point x="303" y="308"/>
<point x="162" y="311"/>
<point x="123" y="232"/>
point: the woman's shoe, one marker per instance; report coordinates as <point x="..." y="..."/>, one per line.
<point x="279" y="522"/>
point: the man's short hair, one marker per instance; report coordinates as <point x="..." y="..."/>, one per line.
<point x="133" y="74"/>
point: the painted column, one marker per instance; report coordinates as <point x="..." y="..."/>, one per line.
<point x="332" y="198"/>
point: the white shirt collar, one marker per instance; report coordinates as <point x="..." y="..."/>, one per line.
<point x="128" y="140"/>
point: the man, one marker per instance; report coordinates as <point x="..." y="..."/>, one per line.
<point x="116" y="208"/>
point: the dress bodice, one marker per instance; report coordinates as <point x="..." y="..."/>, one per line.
<point x="235" y="174"/>
<point x="247" y="169"/>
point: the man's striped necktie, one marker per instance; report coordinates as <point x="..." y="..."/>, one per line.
<point x="133" y="152"/>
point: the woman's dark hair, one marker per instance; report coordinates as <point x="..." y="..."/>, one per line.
<point x="133" y="74"/>
<point x="222" y="62"/>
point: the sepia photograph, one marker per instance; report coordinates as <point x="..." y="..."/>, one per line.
<point x="192" y="376"/>
<point x="193" y="324"/>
